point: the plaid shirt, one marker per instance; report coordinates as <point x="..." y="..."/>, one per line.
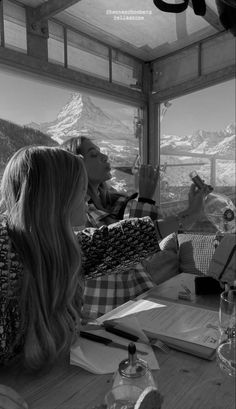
<point x="104" y="293"/>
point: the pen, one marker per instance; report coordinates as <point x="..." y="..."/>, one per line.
<point x="121" y="333"/>
<point x="109" y="327"/>
<point x="152" y="341"/>
<point x="106" y="341"/>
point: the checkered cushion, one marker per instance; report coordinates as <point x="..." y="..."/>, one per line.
<point x="195" y="252"/>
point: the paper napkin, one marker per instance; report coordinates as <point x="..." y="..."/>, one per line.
<point x="101" y="359"/>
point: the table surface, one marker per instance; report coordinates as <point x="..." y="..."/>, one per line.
<point x="185" y="381"/>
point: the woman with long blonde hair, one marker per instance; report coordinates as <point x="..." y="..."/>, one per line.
<point x="39" y="187"/>
<point x="43" y="261"/>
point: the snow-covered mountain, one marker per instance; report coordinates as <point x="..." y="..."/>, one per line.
<point x="211" y="150"/>
<point x="114" y="133"/>
<point x="220" y="143"/>
<point x="81" y="116"/>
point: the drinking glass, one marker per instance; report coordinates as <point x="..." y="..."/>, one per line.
<point x="226" y="351"/>
<point x="122" y="397"/>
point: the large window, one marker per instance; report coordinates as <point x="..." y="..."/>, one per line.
<point x="36" y="112"/>
<point x="198" y="133"/>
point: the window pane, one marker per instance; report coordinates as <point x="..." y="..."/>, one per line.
<point x="126" y="70"/>
<point x="186" y="68"/>
<point x="121" y="140"/>
<point x="87" y="55"/>
<point x="55" y="43"/>
<point x="198" y="133"/>
<point x="14" y="26"/>
<point x="49" y="114"/>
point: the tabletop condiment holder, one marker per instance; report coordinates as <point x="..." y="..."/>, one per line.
<point x="133" y="371"/>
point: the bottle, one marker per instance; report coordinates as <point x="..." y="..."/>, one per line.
<point x="218" y="208"/>
<point x="133" y="371"/>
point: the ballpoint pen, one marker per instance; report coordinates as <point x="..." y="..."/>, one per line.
<point x="121" y="333"/>
<point x="106" y="341"/>
<point x="109" y="326"/>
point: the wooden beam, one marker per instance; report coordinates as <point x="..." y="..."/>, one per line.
<point x="2" y="37"/>
<point x="147" y="78"/>
<point x="154" y="140"/>
<point x="70" y="78"/>
<point x="190" y="46"/>
<point x="196" y="84"/>
<point x="211" y="18"/>
<point x="50" y="8"/>
<point x="37" y="36"/>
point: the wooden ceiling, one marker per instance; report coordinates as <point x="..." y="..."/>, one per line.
<point x="135" y="27"/>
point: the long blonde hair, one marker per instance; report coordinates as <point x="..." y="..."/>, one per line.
<point x="38" y="189"/>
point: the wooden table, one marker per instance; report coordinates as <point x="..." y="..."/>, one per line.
<point x="185" y="381"/>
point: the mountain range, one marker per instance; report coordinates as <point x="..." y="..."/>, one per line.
<point x="81" y="116"/>
<point x="219" y="143"/>
<point x="116" y="136"/>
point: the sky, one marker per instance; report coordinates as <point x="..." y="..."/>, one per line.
<point x="211" y="109"/>
<point x="24" y="100"/>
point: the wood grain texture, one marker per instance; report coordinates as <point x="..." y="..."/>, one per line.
<point x="185" y="381"/>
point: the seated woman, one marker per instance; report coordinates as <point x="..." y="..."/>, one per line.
<point x="43" y="196"/>
<point x="105" y="206"/>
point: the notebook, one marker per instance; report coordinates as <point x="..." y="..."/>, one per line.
<point x="187" y="328"/>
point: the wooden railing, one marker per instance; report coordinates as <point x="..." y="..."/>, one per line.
<point x="211" y="157"/>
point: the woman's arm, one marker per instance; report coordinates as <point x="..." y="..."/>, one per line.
<point x="114" y="248"/>
<point x="145" y="206"/>
<point x="148" y="178"/>
<point x="143" y="209"/>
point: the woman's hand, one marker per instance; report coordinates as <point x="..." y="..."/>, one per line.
<point x="148" y="178"/>
<point x="10" y="399"/>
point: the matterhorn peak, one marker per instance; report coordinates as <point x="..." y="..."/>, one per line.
<point x="72" y="108"/>
<point x="75" y="96"/>
<point x="231" y="128"/>
<point x="81" y="115"/>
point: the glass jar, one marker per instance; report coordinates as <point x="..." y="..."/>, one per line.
<point x="133" y="371"/>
